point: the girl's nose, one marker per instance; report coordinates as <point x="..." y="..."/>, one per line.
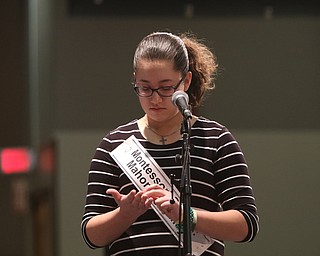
<point x="155" y="98"/>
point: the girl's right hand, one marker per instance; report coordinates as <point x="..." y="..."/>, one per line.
<point x="133" y="204"/>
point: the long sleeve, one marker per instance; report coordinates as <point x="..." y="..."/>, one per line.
<point x="233" y="182"/>
<point x="103" y="174"/>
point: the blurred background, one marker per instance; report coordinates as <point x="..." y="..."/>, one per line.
<point x="65" y="74"/>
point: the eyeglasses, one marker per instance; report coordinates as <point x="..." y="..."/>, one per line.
<point x="165" y="91"/>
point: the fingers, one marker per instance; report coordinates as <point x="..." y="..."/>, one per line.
<point x="152" y="187"/>
<point x="139" y="202"/>
<point x="116" y="195"/>
<point x="132" y="201"/>
<point x="119" y="198"/>
<point x="161" y="198"/>
<point x="170" y="210"/>
<point x="157" y="193"/>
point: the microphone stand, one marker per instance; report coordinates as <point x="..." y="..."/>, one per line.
<point x="185" y="187"/>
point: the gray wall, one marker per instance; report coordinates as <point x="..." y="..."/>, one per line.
<point x="71" y="188"/>
<point x="268" y="77"/>
<point x="284" y="167"/>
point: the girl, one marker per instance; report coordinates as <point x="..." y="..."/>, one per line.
<point x="223" y="205"/>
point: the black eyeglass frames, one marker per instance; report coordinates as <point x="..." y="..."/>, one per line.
<point x="165" y="91"/>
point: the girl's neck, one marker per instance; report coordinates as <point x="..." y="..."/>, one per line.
<point x="164" y="127"/>
<point x="162" y="132"/>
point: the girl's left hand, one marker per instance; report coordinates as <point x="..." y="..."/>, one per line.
<point x="161" y="198"/>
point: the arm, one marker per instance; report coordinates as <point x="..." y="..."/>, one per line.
<point x="235" y="194"/>
<point x="103" y="229"/>
<point x="227" y="225"/>
<point x="106" y="217"/>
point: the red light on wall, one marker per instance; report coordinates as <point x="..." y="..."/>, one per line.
<point x="46" y="157"/>
<point x="15" y="160"/>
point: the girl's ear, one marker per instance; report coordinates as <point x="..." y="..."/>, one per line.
<point x="187" y="80"/>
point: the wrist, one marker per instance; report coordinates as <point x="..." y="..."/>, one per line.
<point x="193" y="220"/>
<point x="180" y="217"/>
<point x="126" y="216"/>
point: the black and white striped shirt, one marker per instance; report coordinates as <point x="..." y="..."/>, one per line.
<point x="219" y="180"/>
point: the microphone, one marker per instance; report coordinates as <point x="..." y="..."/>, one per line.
<point x="181" y="100"/>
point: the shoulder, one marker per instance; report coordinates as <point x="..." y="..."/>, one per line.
<point x="212" y="130"/>
<point x="127" y="127"/>
<point x="206" y="124"/>
<point x="116" y="136"/>
<point x="124" y="131"/>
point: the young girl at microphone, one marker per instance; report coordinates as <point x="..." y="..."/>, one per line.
<point x="119" y="217"/>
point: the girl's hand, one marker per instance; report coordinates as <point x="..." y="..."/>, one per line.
<point x="133" y="204"/>
<point x="161" y="198"/>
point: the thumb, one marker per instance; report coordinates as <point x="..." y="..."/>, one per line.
<point x="116" y="195"/>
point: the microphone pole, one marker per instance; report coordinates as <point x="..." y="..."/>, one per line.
<point x="181" y="99"/>
<point x="185" y="186"/>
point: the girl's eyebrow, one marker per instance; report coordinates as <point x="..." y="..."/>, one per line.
<point x="162" y="81"/>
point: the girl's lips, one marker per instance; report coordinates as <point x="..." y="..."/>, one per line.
<point x="156" y="109"/>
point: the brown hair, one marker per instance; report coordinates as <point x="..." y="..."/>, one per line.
<point x="187" y="54"/>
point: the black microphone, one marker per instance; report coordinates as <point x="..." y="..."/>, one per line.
<point x="181" y="100"/>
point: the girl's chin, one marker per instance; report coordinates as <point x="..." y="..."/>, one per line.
<point x="161" y="116"/>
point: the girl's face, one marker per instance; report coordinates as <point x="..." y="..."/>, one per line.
<point x="156" y="74"/>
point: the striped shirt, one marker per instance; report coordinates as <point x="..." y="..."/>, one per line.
<point x="219" y="180"/>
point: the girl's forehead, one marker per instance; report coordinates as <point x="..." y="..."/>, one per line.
<point x="155" y="68"/>
<point x="154" y="64"/>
